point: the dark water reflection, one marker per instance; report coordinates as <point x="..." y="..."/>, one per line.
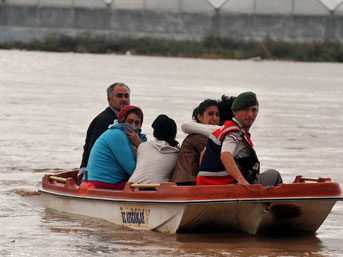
<point x="47" y="101"/>
<point x="107" y="238"/>
<point x="92" y="236"/>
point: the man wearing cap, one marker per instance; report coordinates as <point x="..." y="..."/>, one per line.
<point x="230" y="156"/>
<point x="118" y="96"/>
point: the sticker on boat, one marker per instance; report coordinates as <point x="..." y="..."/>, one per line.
<point x="134" y="217"/>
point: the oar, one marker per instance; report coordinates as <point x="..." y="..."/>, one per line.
<point x="63" y="180"/>
<point x="310" y="179"/>
<point x="59" y="179"/>
<point x="145" y="185"/>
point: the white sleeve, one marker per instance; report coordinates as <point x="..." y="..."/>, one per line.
<point x="191" y="127"/>
<point x="229" y="144"/>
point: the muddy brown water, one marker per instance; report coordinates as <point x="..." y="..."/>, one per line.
<point x="47" y="101"/>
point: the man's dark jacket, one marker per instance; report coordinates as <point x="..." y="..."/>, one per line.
<point x="98" y="126"/>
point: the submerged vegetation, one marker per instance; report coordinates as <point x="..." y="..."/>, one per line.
<point x="210" y="47"/>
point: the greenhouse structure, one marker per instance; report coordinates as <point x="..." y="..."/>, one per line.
<point x="284" y="20"/>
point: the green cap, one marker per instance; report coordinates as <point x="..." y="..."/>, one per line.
<point x="244" y="100"/>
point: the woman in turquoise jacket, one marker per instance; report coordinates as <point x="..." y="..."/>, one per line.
<point x="112" y="158"/>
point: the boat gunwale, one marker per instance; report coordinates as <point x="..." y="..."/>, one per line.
<point x="198" y="201"/>
<point x="171" y="193"/>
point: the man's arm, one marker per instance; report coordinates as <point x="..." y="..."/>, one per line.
<point x="93" y="133"/>
<point x="230" y="165"/>
<point x="98" y="126"/>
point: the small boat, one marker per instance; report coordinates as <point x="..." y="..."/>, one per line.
<point x="299" y="207"/>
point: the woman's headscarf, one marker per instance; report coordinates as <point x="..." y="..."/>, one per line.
<point x="127" y="110"/>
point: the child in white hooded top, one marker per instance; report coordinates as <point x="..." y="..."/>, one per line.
<point x="156" y="159"/>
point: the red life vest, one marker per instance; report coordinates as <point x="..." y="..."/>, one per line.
<point x="211" y="164"/>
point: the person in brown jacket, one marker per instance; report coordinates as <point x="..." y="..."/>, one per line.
<point x="187" y="166"/>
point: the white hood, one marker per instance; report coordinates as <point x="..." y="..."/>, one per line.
<point x="163" y="147"/>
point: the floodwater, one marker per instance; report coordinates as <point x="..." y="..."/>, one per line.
<point x="47" y="101"/>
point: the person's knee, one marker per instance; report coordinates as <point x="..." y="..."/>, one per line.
<point x="275" y="175"/>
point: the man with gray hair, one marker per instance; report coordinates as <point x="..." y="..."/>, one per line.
<point x="118" y="96"/>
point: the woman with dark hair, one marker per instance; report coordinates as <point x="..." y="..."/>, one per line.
<point x="112" y="158"/>
<point x="156" y="159"/>
<point x="224" y="106"/>
<point x="187" y="166"/>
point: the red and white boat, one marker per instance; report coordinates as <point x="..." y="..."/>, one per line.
<point x="298" y="207"/>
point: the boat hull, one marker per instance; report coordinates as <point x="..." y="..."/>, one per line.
<point x="169" y="210"/>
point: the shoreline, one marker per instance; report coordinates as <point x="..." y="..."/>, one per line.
<point x="210" y="47"/>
